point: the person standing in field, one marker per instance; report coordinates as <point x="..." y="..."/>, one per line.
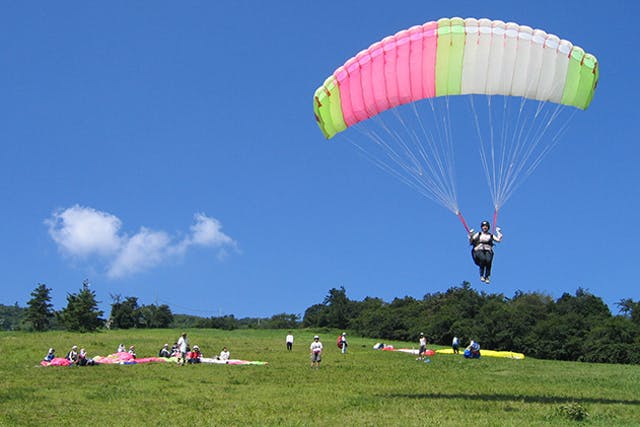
<point x="289" y="341"/>
<point x="423" y="346"/>
<point x="455" y="345"/>
<point x="343" y="342"/>
<point x="316" y="352"/>
<point x="183" y="343"/>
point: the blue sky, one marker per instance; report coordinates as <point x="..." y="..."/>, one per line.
<point x="169" y="152"/>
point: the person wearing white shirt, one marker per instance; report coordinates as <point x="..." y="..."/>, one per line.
<point x="289" y="341"/>
<point x="224" y="354"/>
<point x="316" y="352"/>
<point x="423" y="346"/>
<point x="183" y="343"/>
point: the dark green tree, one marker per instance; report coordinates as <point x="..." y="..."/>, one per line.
<point x="39" y="308"/>
<point x="369" y="320"/>
<point x="493" y="320"/>
<point x="452" y="313"/>
<point x="11" y="317"/>
<point x="631" y="309"/>
<point x="315" y="316"/>
<point x="616" y="340"/>
<point x="282" y="321"/>
<point x="226" y="322"/>
<point x="562" y="334"/>
<point x="81" y="313"/>
<point x="125" y="314"/>
<point x="338" y="308"/>
<point x="527" y="309"/>
<point x="154" y="316"/>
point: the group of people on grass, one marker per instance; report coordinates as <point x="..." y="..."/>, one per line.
<point x="180" y="350"/>
<point x="471" y="352"/>
<point x="74" y="356"/>
<point x="187" y="355"/>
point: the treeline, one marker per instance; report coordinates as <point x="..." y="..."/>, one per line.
<point x="82" y="314"/>
<point x="576" y="327"/>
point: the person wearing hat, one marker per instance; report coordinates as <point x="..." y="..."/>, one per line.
<point x="423" y="346"/>
<point x="50" y="355"/>
<point x="164" y="351"/>
<point x="195" y="356"/>
<point x="482" y="251"/>
<point x="72" y="356"/>
<point x="183" y="343"/>
<point x="132" y="351"/>
<point x="316" y="352"/>
<point x="343" y="342"/>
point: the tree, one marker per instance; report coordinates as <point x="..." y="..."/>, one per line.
<point x="124" y="314"/>
<point x="613" y="341"/>
<point x="81" y="313"/>
<point x="11" y="317"/>
<point x="40" y="310"/>
<point x="630" y="309"/>
<point x="153" y="316"/>
<point x="337" y="308"/>
<point x="282" y="321"/>
<point x="315" y="316"/>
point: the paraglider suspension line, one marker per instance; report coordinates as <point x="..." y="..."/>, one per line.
<point x="464" y="223"/>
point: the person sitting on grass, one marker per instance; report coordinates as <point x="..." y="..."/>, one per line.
<point x="224" y="354"/>
<point x="164" y="351"/>
<point x="194" y="356"/>
<point x="83" y="360"/>
<point x="50" y="355"/>
<point x="72" y="356"/>
<point x="175" y="350"/>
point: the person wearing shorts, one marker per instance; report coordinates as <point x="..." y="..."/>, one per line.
<point x="316" y="352"/>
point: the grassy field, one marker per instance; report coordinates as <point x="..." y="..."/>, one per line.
<point x="363" y="387"/>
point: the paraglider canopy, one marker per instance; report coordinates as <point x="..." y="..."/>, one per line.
<point x="453" y="57"/>
<point x="431" y="62"/>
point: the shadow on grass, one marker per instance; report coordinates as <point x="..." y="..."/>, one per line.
<point x="513" y="398"/>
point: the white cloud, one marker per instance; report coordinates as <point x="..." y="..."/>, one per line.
<point x="81" y="232"/>
<point x="142" y="251"/>
<point x="207" y="232"/>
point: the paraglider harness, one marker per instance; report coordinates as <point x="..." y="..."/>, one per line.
<point x="475" y="240"/>
<point x="479" y="256"/>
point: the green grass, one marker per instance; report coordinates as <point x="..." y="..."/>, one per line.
<point x="363" y="387"/>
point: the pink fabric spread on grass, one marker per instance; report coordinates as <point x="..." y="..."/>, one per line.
<point x="58" y="361"/>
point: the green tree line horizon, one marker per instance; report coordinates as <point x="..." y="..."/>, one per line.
<point x="578" y="327"/>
